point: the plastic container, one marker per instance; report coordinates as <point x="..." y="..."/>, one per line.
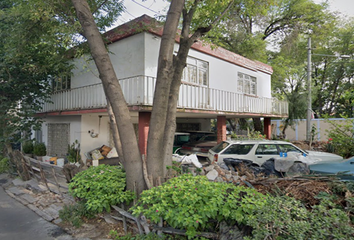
<point x="60" y="162"/>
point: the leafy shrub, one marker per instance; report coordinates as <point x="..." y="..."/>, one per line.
<point x="39" y="149"/>
<point x="27" y="147"/>
<point x="151" y="236"/>
<point x="341" y="134"/>
<point x="192" y="203"/>
<point x="4" y="165"/>
<point x="74" y="213"/>
<point x="100" y="187"/>
<point x="286" y="218"/>
<point x="254" y="135"/>
<point x="74" y="152"/>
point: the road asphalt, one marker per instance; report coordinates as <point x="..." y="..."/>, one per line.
<point x="18" y="222"/>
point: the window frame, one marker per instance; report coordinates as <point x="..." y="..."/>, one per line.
<point x="246" y="84"/>
<point x="196" y="72"/>
<point x="61" y="83"/>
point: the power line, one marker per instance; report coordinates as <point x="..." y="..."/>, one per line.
<point x="145" y="7"/>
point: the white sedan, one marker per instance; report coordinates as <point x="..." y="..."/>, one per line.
<point x="259" y="151"/>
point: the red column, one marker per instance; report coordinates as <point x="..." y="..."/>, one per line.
<point x="221" y="128"/>
<point x="144" y="122"/>
<point x="268" y="128"/>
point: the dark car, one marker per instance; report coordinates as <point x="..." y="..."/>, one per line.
<point x="200" y="147"/>
<point x="343" y="170"/>
<point x="180" y="138"/>
<point x="197" y="135"/>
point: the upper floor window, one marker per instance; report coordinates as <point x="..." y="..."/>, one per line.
<point x="246" y="84"/>
<point x="196" y="72"/>
<point x="61" y="83"/>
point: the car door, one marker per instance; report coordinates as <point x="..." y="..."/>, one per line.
<point x="265" y="151"/>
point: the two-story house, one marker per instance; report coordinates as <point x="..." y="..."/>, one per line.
<point x="216" y="84"/>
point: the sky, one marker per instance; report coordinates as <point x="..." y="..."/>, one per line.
<point x="346" y="7"/>
<point x="136" y="8"/>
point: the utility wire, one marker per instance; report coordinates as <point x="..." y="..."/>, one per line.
<point x="145" y="7"/>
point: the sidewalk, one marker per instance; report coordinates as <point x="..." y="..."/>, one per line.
<point x="17" y="221"/>
<point x="36" y="197"/>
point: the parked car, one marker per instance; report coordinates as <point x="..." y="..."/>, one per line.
<point x="259" y="151"/>
<point x="343" y="169"/>
<point x="197" y="135"/>
<point x="180" y="139"/>
<point x="200" y="147"/>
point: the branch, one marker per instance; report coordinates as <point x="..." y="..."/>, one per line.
<point x="203" y="30"/>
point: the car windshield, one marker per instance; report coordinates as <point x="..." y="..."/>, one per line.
<point x="208" y="138"/>
<point x="221" y="146"/>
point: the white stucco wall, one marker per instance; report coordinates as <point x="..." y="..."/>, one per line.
<point x="98" y="125"/>
<point x="127" y="56"/>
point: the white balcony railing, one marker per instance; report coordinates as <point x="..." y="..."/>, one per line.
<point x="140" y="91"/>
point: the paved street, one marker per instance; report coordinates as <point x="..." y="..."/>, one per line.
<point x="19" y="222"/>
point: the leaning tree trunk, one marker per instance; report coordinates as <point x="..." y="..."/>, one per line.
<point x="155" y="158"/>
<point x="132" y="159"/>
<point x="115" y="133"/>
<point x="170" y="72"/>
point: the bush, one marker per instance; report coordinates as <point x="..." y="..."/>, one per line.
<point x="39" y="149"/>
<point x="341" y="134"/>
<point x="100" y="187"/>
<point x="4" y="165"/>
<point x="286" y="218"/>
<point x="27" y="147"/>
<point x="74" y="214"/>
<point x="74" y="152"/>
<point x="192" y="203"/>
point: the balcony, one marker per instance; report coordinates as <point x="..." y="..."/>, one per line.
<point x="140" y="90"/>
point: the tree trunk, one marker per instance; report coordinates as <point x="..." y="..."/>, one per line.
<point x="156" y="139"/>
<point x="257" y="124"/>
<point x="132" y="159"/>
<point x="115" y="133"/>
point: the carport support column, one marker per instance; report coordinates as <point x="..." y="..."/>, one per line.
<point x="267" y="128"/>
<point x="221" y="128"/>
<point x="144" y="122"/>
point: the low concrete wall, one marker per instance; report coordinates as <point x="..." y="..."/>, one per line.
<point x="298" y="132"/>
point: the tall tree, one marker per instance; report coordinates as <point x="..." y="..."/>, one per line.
<point x="28" y="55"/>
<point x="198" y="18"/>
<point x="168" y="81"/>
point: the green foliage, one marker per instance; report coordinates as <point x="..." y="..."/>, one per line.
<point x="286" y="218"/>
<point x="27" y="147"/>
<point x="192" y="203"/>
<point x="74" y="214"/>
<point x="100" y="187"/>
<point x="254" y="135"/>
<point x="4" y="165"/>
<point x="151" y="236"/>
<point x="342" y="135"/>
<point x="39" y="149"/>
<point x="74" y="152"/>
<point x="37" y="49"/>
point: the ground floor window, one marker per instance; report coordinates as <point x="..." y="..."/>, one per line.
<point x="58" y="139"/>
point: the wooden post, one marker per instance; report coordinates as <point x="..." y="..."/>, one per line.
<point x="56" y="180"/>
<point x="43" y="175"/>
